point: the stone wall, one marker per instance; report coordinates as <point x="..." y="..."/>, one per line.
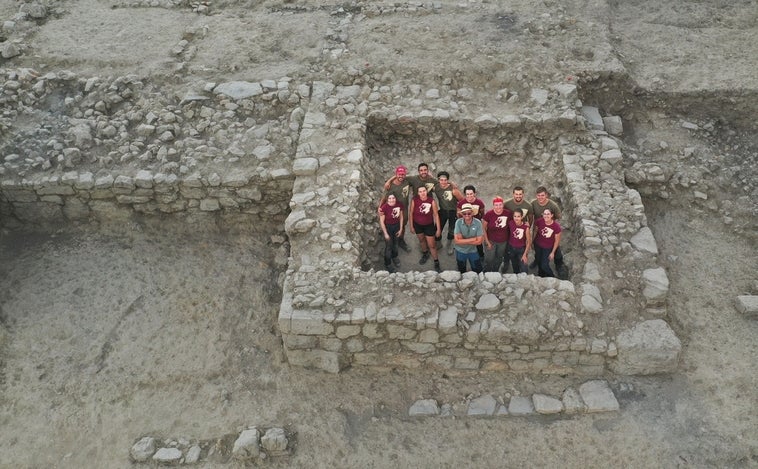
<point x="83" y="197"/>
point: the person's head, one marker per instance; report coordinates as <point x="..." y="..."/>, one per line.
<point x="400" y="173"/>
<point x="391" y="199"/>
<point x="467" y="212"/>
<point x="422" y="192"/>
<point x="497" y="205"/>
<point x="470" y="193"/>
<point x="547" y="214"/>
<point x="541" y="195"/>
<point x="518" y="216"/>
<point x="518" y="194"/>
<point x="443" y="177"/>
<point x="423" y="170"/>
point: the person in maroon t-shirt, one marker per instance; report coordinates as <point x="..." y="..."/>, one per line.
<point x="469" y="197"/>
<point x="425" y="224"/>
<point x="547" y="238"/>
<point x="519" y="242"/>
<point x="392" y="220"/>
<point x="495" y="223"/>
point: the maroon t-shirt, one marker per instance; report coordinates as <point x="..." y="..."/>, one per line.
<point x="497" y="225"/>
<point x="546" y="233"/>
<point x="478" y="202"/>
<point x="517" y="234"/>
<point x="392" y="213"/>
<point x="422" y="211"/>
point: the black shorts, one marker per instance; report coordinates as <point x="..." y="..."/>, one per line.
<point x="426" y="230"/>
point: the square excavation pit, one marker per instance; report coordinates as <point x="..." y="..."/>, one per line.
<point x="493" y="159"/>
<point x="339" y="311"/>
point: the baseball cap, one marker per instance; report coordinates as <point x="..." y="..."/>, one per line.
<point x="401" y="170"/>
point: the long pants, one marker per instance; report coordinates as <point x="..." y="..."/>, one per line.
<point x="495" y="256"/>
<point x="543" y="261"/>
<point x="514" y="255"/>
<point x="390" y="247"/>
<point x="472" y="258"/>
<point x="449" y="217"/>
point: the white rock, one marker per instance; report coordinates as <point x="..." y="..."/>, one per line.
<point x="572" y="401"/>
<point x="613" y="125"/>
<point x="483" y="405"/>
<point x="546" y="404"/>
<point x="167" y="455"/>
<point x="274" y="441"/>
<point x="644" y="241"/>
<point x="520" y="405"/>
<point x="143" y="449"/>
<point x="424" y="407"/>
<point x="539" y="96"/>
<point x="193" y="455"/>
<point x="598" y="396"/>
<point x="747" y="304"/>
<point x="239" y="89"/>
<point x="649" y="347"/>
<point x="656" y="285"/>
<point x="305" y="166"/>
<point x="592" y="115"/>
<point x="488" y="302"/>
<point x="246" y="445"/>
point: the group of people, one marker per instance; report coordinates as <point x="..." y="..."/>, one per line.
<point x="482" y="240"/>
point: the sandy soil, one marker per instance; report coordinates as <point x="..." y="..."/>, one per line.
<point x="112" y="335"/>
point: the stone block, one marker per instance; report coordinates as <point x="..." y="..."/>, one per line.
<point x="748" y="305"/>
<point x="420" y="348"/>
<point x="142" y="450"/>
<point x="423" y="408"/>
<point x="168" y="456"/>
<point x="247" y="446"/>
<point x="546" y="404"/>
<point x="193" y="455"/>
<point x="275" y="441"/>
<point x="488" y="302"/>
<point x="655" y="286"/>
<point x="331" y="362"/>
<point x="429" y="336"/>
<point x="305" y="166"/>
<point x="343" y="332"/>
<point x="520" y="405"/>
<point x="572" y="401"/>
<point x="592" y="116"/>
<point x="598" y="397"/>
<point x="649" y="347"/>
<point x="644" y="241"/>
<point x="482" y="406"/>
<point x="307" y="322"/>
<point x="400" y="332"/>
<point x="614" y="125"/>
<point x="448" y="320"/>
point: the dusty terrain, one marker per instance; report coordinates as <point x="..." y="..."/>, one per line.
<point x="112" y="333"/>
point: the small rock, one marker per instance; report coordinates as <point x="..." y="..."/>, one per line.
<point x="143" y="449"/>
<point x="592" y="116"/>
<point x="748" y="305"/>
<point x="274" y="441"/>
<point x="10" y="50"/>
<point x="598" y="396"/>
<point x="546" y="405"/>
<point x="520" y="405"/>
<point x="656" y="285"/>
<point x="488" y="302"/>
<point x="167" y="456"/>
<point x="613" y="125"/>
<point x="246" y="445"/>
<point x="644" y="241"/>
<point x="424" y="407"/>
<point x="484" y="405"/>
<point x="193" y="455"/>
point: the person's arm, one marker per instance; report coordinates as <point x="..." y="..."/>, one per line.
<point x="528" y="235"/>
<point x="387" y="184"/>
<point x="556" y="243"/>
<point x="436" y="213"/>
<point x="456" y="193"/>
<point x="382" y="224"/>
<point x="484" y="231"/>
<point x="410" y="216"/>
<point x="402" y="223"/>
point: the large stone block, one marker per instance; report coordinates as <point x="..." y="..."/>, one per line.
<point x="649" y="347"/>
<point x="656" y="285"/>
<point x="331" y="362"/>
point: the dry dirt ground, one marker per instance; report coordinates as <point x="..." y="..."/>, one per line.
<point x="109" y="335"/>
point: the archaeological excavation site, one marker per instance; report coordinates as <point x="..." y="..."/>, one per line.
<point x="191" y="261"/>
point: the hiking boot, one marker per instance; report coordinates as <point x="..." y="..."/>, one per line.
<point x="424" y="257"/>
<point x="449" y="247"/>
<point x="403" y="245"/>
<point x="390" y="268"/>
<point x="437" y="266"/>
<point x="396" y="261"/>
